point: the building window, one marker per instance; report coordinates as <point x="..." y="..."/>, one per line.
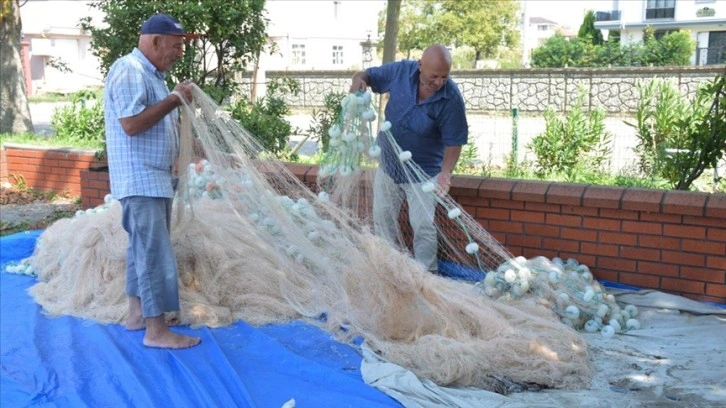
<point x="657" y="9"/>
<point x="543" y="27"/>
<point x="337" y="55"/>
<point x="298" y="54"/>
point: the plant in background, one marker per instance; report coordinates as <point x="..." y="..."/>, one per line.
<point x="679" y="138"/>
<point x="265" y="117"/>
<point x="81" y="122"/>
<point x="326" y="117"/>
<point x="573" y="143"/>
<point x="468" y="162"/>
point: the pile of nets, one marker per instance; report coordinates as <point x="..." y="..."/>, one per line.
<point x="253" y="242"/>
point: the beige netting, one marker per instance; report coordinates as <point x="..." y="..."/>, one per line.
<point x="255" y="243"/>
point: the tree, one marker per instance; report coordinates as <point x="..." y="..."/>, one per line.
<point x="557" y="52"/>
<point x="14" y="109"/>
<point x="393" y="10"/>
<point x="588" y="32"/>
<point x="233" y="32"/>
<point x="484" y="25"/>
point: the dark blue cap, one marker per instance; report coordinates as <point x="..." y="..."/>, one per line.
<point x="164" y="24"/>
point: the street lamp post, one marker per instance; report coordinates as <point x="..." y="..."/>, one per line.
<point x="367" y="50"/>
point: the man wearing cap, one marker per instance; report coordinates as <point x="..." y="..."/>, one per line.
<point x="143" y="144"/>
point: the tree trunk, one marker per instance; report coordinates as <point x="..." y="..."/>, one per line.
<point x="14" y="109"/>
<point x="390" y="45"/>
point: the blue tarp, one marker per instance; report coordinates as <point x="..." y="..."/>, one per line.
<point x="70" y="362"/>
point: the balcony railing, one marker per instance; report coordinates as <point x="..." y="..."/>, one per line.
<point x="613" y="15"/>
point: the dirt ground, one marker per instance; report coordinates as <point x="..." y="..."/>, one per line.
<point x="25" y="209"/>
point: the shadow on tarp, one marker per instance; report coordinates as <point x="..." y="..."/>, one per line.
<point x="71" y="362"/>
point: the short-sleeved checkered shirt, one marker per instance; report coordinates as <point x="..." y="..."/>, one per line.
<point x="139" y="165"/>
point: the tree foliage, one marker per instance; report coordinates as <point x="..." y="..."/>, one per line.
<point x="673" y="48"/>
<point x="233" y="33"/>
<point x="484" y="25"/>
<point x="588" y="32"/>
<point x="678" y="139"/>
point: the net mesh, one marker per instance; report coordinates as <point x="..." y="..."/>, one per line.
<point x="256" y="243"/>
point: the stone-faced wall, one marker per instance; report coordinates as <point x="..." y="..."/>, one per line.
<point x="529" y="90"/>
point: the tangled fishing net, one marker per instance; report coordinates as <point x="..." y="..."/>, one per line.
<point x="255" y="243"/>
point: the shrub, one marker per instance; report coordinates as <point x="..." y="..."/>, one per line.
<point x="265" y="117"/>
<point x="81" y="122"/>
<point x="574" y="143"/>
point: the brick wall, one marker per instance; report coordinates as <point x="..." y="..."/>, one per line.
<point x="673" y="241"/>
<point x="46" y="169"/>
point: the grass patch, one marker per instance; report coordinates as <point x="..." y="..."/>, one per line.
<point x="48" y="141"/>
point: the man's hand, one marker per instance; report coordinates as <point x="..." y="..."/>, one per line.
<point x="359" y="82"/>
<point x="183" y="91"/>
<point x="444" y="183"/>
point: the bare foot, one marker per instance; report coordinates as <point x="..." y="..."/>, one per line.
<point x="170" y="340"/>
<point x="138" y="322"/>
<point x="158" y="335"/>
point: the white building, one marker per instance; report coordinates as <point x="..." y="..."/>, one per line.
<point x="704" y="19"/>
<point x="51" y="28"/>
<point x="321" y="35"/>
<point x="309" y="35"/>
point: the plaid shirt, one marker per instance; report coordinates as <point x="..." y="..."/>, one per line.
<point x="139" y="165"/>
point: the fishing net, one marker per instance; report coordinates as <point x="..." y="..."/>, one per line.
<point x="256" y="243"/>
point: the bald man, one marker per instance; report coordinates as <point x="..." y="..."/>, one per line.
<point x="428" y="118"/>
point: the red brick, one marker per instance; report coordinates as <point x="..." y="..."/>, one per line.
<point x="565" y="194"/>
<point x="618" y="214"/>
<point x="561" y="245"/>
<point x="465" y="186"/>
<point x="658" y="268"/>
<point x="716" y="206"/>
<point x="640" y="281"/>
<point x="624" y="265"/>
<point x="704" y="298"/>
<point x="642" y="227"/>
<point x="684" y="202"/>
<point x="524" y="241"/>
<point x="578" y="234"/>
<point x="683" y="286"/>
<point x="508" y="226"/>
<point x="566" y="220"/>
<point x="600" y="224"/>
<point x="642" y="254"/>
<point x="492" y="213"/>
<point x="716" y="234"/>
<point x="602" y="196"/>
<point x="530" y="191"/>
<point x="528" y="216"/>
<point x="716" y="291"/>
<point x="642" y="200"/>
<point x="471" y="201"/>
<point x="716" y="262"/>
<point x="511" y="204"/>
<point x="542" y="207"/>
<point x="705" y="221"/>
<point x="617" y="238"/>
<point x="661" y="218"/>
<point x="703" y="274"/>
<point x="575" y="210"/>
<point x="496" y="188"/>
<point x="599" y="249"/>
<point x="542" y="230"/>
<point x="657" y="241"/>
<point x="682" y="231"/>
<point x="606" y="275"/>
<point x="680" y="258"/>
<point x="703" y="247"/>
